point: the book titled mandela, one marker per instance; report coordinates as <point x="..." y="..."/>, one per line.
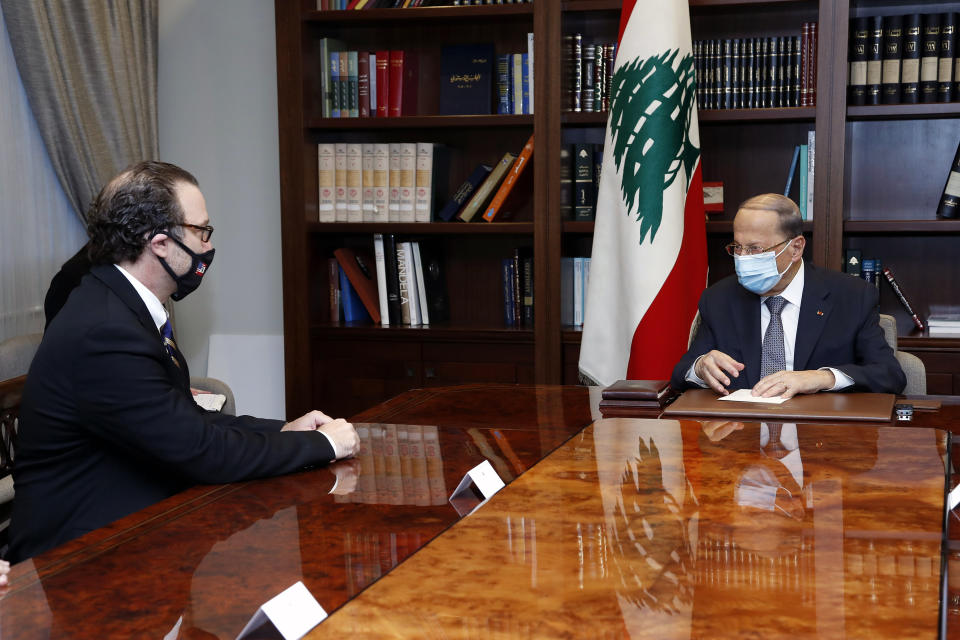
<point x="466" y="79"/>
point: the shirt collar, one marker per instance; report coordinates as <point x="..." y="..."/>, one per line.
<point x="154" y="306"/>
<point x="794" y="291"/>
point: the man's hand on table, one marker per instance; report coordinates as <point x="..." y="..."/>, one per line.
<point x="787" y="384"/>
<point x="716" y="368"/>
<point x="341" y="433"/>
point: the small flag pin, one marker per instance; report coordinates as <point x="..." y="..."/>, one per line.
<point x="819" y="313"/>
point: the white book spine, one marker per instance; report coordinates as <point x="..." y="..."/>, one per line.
<point x="381" y="182"/>
<point x="586" y="287"/>
<point x="368" y="200"/>
<point x="412" y="295"/>
<point x="326" y="180"/>
<point x="424" y="181"/>
<point x="354" y="182"/>
<point x="380" y="259"/>
<point x="394" y="198"/>
<point x="578" y="291"/>
<point x="408" y="170"/>
<point x="421" y="290"/>
<point x="340" y="178"/>
<point x="403" y="276"/>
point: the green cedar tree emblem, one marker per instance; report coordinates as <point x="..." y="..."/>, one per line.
<point x="650" y="124"/>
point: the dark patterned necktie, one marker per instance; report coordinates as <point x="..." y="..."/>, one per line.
<point x="167" y="332"/>
<point x="773" y="357"/>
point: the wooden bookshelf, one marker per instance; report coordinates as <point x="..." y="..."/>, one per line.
<point x="877" y="169"/>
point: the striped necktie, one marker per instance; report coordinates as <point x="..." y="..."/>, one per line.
<point x="167" y="332"/>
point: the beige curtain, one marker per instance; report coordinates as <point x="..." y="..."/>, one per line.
<point x="89" y="68"/>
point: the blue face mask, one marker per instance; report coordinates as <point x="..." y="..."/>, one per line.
<point x="759" y="273"/>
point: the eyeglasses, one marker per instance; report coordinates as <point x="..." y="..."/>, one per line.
<point x="205" y="232"/>
<point x="735" y="249"/>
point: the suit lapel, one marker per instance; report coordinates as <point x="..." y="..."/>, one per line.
<point x="815" y="306"/>
<point x="116" y="282"/>
<point x="747" y="306"/>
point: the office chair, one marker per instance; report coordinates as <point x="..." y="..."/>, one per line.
<point x="912" y="366"/>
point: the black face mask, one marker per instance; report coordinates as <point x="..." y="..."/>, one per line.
<point x="188" y="282"/>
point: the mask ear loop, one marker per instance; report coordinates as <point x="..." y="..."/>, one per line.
<point x="785" y="247"/>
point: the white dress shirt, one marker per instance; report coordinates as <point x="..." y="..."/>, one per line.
<point x="790" y="318"/>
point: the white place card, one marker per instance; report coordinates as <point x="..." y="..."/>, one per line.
<point x="743" y="395"/>
<point x="293" y="613"/>
<point x="953" y="498"/>
<point x="484" y="478"/>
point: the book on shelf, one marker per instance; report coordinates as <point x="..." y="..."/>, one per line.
<point x="431" y="179"/>
<point x="929" y="56"/>
<point x="372" y="72"/>
<point x="335" y="92"/>
<point x="466" y="79"/>
<point x="944" y="321"/>
<point x="340" y="181"/>
<point x="517" y="169"/>
<point x="892" y="58"/>
<point x="504" y="85"/>
<point x="381" y="182"/>
<point x="362" y="278"/>
<point x="327" y="88"/>
<point x="811" y="170"/>
<point x="409" y="295"/>
<point x="421" y="289"/>
<point x="463" y="192"/>
<point x="804" y="181"/>
<point x="507" y="271"/>
<point x="368" y="193"/>
<point x="486" y="189"/>
<point x="354" y="311"/>
<point x="434" y="281"/>
<point x="910" y="68"/>
<point x="383" y="83"/>
<point x="516" y="77"/>
<point x="529" y="69"/>
<point x="587" y="71"/>
<point x="404" y="76"/>
<point x="333" y="277"/>
<point x="793" y="169"/>
<point x="353" y="95"/>
<point x="947" y="60"/>
<point x="326" y="182"/>
<point x="902" y="297"/>
<point x="363" y="85"/>
<point x="574" y="278"/>
<point x="395" y="316"/>
<point x="858" y="60"/>
<point x="584" y="195"/>
<point x="381" y="262"/>
<point x="874" y="58"/>
<point x="949" y="206"/>
<point x="354" y="191"/>
<point x="851" y="262"/>
<point x="566" y="183"/>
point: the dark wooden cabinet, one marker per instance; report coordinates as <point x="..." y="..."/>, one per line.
<point x="879" y="173"/>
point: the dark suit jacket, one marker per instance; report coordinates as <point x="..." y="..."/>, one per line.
<point x="108" y="425"/>
<point x="839" y="327"/>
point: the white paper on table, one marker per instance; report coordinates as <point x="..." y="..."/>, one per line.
<point x="743" y="395"/>
<point x="953" y="498"/>
<point x="484" y="478"/>
<point x="293" y="612"/>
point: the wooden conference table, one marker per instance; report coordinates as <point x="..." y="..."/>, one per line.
<point x="627" y="527"/>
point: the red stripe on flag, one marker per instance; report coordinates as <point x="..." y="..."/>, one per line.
<point x="625" y="12"/>
<point x="660" y="338"/>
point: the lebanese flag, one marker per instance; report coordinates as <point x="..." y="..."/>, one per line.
<point x="649" y="261"/>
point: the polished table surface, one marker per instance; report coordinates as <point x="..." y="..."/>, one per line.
<point x="628" y="525"/>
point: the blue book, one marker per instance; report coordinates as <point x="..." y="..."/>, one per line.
<point x="335" y="84"/>
<point x="526" y="83"/>
<point x="504" y="84"/>
<point x="802" y="196"/>
<point x="353" y="309"/>
<point x="466" y="79"/>
<point x="793" y="168"/>
<point x="463" y="192"/>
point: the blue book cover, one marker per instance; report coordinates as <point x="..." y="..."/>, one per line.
<point x="504" y="84"/>
<point x="353" y="309"/>
<point x="526" y="83"/>
<point x="793" y="168"/>
<point x="463" y="192"/>
<point x="802" y="196"/>
<point x="353" y="97"/>
<point x="335" y="84"/>
<point x="466" y="79"/>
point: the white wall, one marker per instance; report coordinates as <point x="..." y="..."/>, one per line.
<point x="218" y="119"/>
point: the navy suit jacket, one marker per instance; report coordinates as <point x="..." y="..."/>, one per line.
<point x="839" y="327"/>
<point x="108" y="425"/>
